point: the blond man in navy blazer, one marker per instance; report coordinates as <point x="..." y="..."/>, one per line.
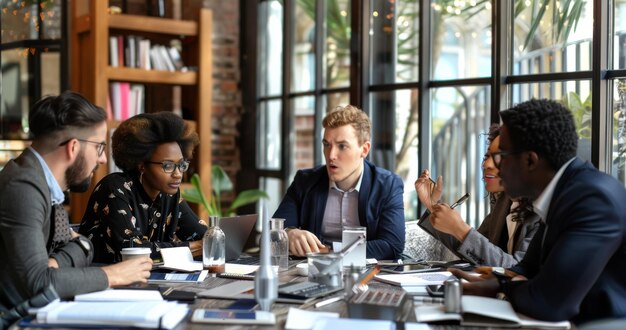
<point x="346" y="191"/>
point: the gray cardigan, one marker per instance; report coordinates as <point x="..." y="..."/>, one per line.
<point x="25" y="210"/>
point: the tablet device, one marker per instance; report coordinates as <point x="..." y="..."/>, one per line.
<point x="446" y="239"/>
<point x="411" y="268"/>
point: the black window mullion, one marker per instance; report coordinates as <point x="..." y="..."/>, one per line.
<point x="287" y="113"/>
<point x="601" y="118"/>
<point x="320" y="46"/>
<point x="425" y="62"/>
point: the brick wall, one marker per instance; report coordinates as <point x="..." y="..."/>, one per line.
<point x="227" y="106"/>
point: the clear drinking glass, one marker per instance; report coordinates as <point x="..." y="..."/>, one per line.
<point x="356" y="257"/>
<point x="280" y="244"/>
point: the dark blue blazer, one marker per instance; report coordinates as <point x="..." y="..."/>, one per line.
<point x="381" y="207"/>
<point x="576" y="263"/>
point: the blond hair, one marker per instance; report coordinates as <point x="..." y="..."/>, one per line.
<point x="350" y="115"/>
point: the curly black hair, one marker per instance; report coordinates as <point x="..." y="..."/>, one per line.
<point x="136" y="138"/>
<point x="543" y="126"/>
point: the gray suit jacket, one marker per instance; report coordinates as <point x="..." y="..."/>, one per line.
<point x="25" y="210"/>
<point x="482" y="246"/>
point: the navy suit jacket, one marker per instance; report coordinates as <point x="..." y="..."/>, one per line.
<point x="576" y="263"/>
<point x="381" y="207"/>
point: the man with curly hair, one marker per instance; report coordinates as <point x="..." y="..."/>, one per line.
<point x="574" y="267"/>
<point x="37" y="246"/>
<point x="347" y="191"/>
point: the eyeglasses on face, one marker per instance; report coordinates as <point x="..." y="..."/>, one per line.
<point x="497" y="156"/>
<point x="169" y="166"/>
<point x="99" y="145"/>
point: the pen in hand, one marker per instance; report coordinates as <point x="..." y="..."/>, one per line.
<point x="460" y="201"/>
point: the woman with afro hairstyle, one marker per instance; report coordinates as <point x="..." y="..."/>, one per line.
<point x="141" y="206"/>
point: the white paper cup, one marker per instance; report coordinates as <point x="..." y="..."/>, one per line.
<point x="130" y="253"/>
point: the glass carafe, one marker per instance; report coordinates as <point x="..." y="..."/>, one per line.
<point x="214" y="247"/>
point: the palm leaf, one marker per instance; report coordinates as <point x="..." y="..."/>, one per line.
<point x="246" y="197"/>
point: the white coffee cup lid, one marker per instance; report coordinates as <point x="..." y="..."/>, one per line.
<point x="136" y="251"/>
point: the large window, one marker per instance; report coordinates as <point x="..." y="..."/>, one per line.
<point x="432" y="76"/>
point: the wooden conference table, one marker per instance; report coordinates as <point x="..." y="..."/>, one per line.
<point x="405" y="314"/>
<point x="279" y="309"/>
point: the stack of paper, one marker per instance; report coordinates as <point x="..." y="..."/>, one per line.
<point x="144" y="314"/>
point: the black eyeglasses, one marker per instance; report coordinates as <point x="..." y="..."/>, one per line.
<point x="169" y="166"/>
<point x="497" y="156"/>
<point x="100" y="145"/>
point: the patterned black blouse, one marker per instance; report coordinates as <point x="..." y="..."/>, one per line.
<point x="121" y="214"/>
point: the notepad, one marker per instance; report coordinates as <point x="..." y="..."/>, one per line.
<point x="179" y="258"/>
<point x="484" y="312"/>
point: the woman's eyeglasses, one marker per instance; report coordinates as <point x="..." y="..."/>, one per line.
<point x="169" y="166"/>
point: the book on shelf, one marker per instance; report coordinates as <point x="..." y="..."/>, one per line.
<point x="414" y="279"/>
<point x="143" y="314"/>
<point x="113" y="59"/>
<point x="126" y="100"/>
<point x="484" y="312"/>
<point x="137" y="52"/>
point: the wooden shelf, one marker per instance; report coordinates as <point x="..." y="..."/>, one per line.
<point x="91" y="73"/>
<point x="142" y="24"/>
<point x="153" y="25"/>
<point x="152" y="76"/>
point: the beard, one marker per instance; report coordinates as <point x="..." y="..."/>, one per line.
<point x="75" y="177"/>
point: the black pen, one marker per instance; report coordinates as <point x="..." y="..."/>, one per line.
<point x="460" y="201"/>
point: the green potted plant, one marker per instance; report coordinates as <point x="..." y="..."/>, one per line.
<point x="220" y="182"/>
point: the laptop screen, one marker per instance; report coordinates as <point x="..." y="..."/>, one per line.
<point x="237" y="229"/>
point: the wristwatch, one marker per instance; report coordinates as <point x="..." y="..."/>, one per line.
<point x="500" y="275"/>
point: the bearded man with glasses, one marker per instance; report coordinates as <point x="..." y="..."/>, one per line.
<point x="141" y="206"/>
<point x="37" y="247"/>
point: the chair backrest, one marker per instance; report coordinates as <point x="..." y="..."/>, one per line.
<point x="421" y="245"/>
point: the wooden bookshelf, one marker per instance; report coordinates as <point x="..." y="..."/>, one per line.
<point x="91" y="72"/>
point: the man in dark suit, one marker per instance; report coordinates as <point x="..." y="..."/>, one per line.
<point x="37" y="247"/>
<point x="347" y="191"/>
<point x="575" y="267"/>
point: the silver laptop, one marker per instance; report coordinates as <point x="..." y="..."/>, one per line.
<point x="237" y="230"/>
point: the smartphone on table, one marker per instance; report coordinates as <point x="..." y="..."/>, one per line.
<point x="225" y="316"/>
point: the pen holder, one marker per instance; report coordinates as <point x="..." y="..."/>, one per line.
<point x="377" y="304"/>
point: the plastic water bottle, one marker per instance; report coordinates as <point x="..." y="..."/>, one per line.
<point x="214" y="247"/>
<point x="280" y="244"/>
